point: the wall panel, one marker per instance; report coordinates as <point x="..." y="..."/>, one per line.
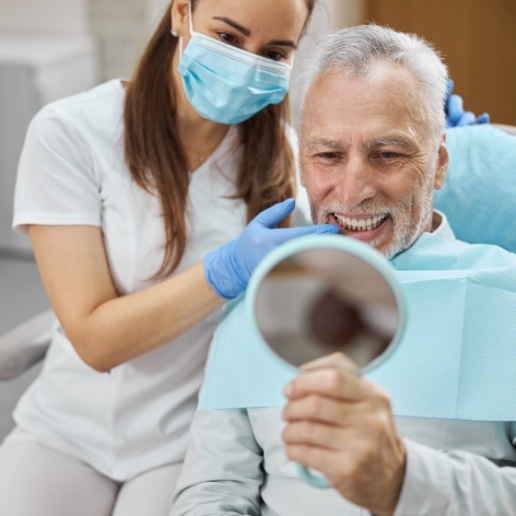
<point x="477" y="39"/>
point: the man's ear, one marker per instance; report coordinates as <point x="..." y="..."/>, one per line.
<point x="442" y="164"/>
<point x="179" y="15"/>
<point x="301" y="173"/>
<point x="302" y="178"/>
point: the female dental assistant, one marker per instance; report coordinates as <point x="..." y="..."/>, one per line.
<point x="148" y="204"/>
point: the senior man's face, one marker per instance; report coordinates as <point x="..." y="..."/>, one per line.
<point x="368" y="161"/>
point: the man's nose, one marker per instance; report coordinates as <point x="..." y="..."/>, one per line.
<point x="355" y="182"/>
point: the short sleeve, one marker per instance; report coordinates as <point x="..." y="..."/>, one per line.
<point x="56" y="183"/>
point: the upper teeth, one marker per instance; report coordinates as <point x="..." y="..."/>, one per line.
<point x="355" y="224"/>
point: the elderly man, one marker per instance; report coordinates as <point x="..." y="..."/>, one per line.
<point x="372" y="152"/>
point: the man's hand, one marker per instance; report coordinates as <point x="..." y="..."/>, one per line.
<point x="342" y="425"/>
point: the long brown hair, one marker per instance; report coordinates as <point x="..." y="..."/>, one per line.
<point x="157" y="161"/>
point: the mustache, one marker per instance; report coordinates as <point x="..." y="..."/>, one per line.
<point x="367" y="207"/>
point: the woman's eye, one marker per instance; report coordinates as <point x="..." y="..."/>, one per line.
<point x="228" y="38"/>
<point x="274" y="55"/>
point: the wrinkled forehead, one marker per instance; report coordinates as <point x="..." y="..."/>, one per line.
<point x="385" y="102"/>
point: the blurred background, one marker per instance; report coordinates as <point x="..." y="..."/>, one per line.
<point x="54" y="48"/>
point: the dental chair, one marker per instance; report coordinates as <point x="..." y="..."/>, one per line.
<point x="479" y="194"/>
<point x="21" y="352"/>
<point x="478" y="197"/>
<point x="26" y="344"/>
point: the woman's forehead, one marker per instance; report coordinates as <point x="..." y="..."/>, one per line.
<point x="277" y="19"/>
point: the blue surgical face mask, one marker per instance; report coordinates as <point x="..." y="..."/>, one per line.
<point x="226" y="84"/>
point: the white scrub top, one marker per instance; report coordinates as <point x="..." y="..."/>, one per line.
<point x="72" y="171"/>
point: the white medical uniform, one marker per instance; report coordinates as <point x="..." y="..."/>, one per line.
<point x="72" y="172"/>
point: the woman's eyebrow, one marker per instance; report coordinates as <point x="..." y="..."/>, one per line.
<point x="247" y="32"/>
<point x="234" y="24"/>
<point x="283" y="43"/>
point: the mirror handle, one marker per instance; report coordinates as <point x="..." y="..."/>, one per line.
<point x="312" y="478"/>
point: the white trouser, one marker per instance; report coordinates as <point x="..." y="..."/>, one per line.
<point x="38" y="480"/>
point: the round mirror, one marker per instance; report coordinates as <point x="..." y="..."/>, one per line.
<point x="318" y="295"/>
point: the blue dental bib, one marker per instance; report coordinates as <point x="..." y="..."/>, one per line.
<point x="457" y="358"/>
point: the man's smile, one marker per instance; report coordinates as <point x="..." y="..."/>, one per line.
<point x="363" y="223"/>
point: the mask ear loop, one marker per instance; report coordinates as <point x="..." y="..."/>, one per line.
<point x="190" y="24"/>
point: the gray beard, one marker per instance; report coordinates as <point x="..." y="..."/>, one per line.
<point x="405" y="231"/>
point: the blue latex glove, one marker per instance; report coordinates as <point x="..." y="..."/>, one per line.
<point x="454" y="109"/>
<point x="229" y="267"/>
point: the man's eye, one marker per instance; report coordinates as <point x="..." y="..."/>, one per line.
<point x="389" y="155"/>
<point x="328" y="155"/>
<point x="327" y="158"/>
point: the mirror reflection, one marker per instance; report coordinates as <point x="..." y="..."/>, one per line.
<point x="320" y="301"/>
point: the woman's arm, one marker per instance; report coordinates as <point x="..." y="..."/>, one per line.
<point x="104" y="328"/>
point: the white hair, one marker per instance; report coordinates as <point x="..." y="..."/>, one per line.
<point x="356" y="50"/>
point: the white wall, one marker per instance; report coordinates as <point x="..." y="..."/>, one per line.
<point x="348" y="13"/>
<point x="45" y="16"/>
<point x="154" y="10"/>
<point x="46" y="52"/>
<point x="328" y="15"/>
<point x="119" y="27"/>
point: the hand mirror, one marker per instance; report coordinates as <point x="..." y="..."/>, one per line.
<point x="317" y="295"/>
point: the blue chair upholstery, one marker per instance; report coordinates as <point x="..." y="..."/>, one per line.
<point x="479" y="194"/>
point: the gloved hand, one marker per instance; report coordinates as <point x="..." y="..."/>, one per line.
<point x="454" y="109"/>
<point x="228" y="268"/>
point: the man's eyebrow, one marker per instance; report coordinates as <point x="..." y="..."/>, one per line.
<point x="316" y="141"/>
<point x="247" y="32"/>
<point x="398" y="141"/>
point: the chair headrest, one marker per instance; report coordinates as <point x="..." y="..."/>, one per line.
<point x="479" y="194"/>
